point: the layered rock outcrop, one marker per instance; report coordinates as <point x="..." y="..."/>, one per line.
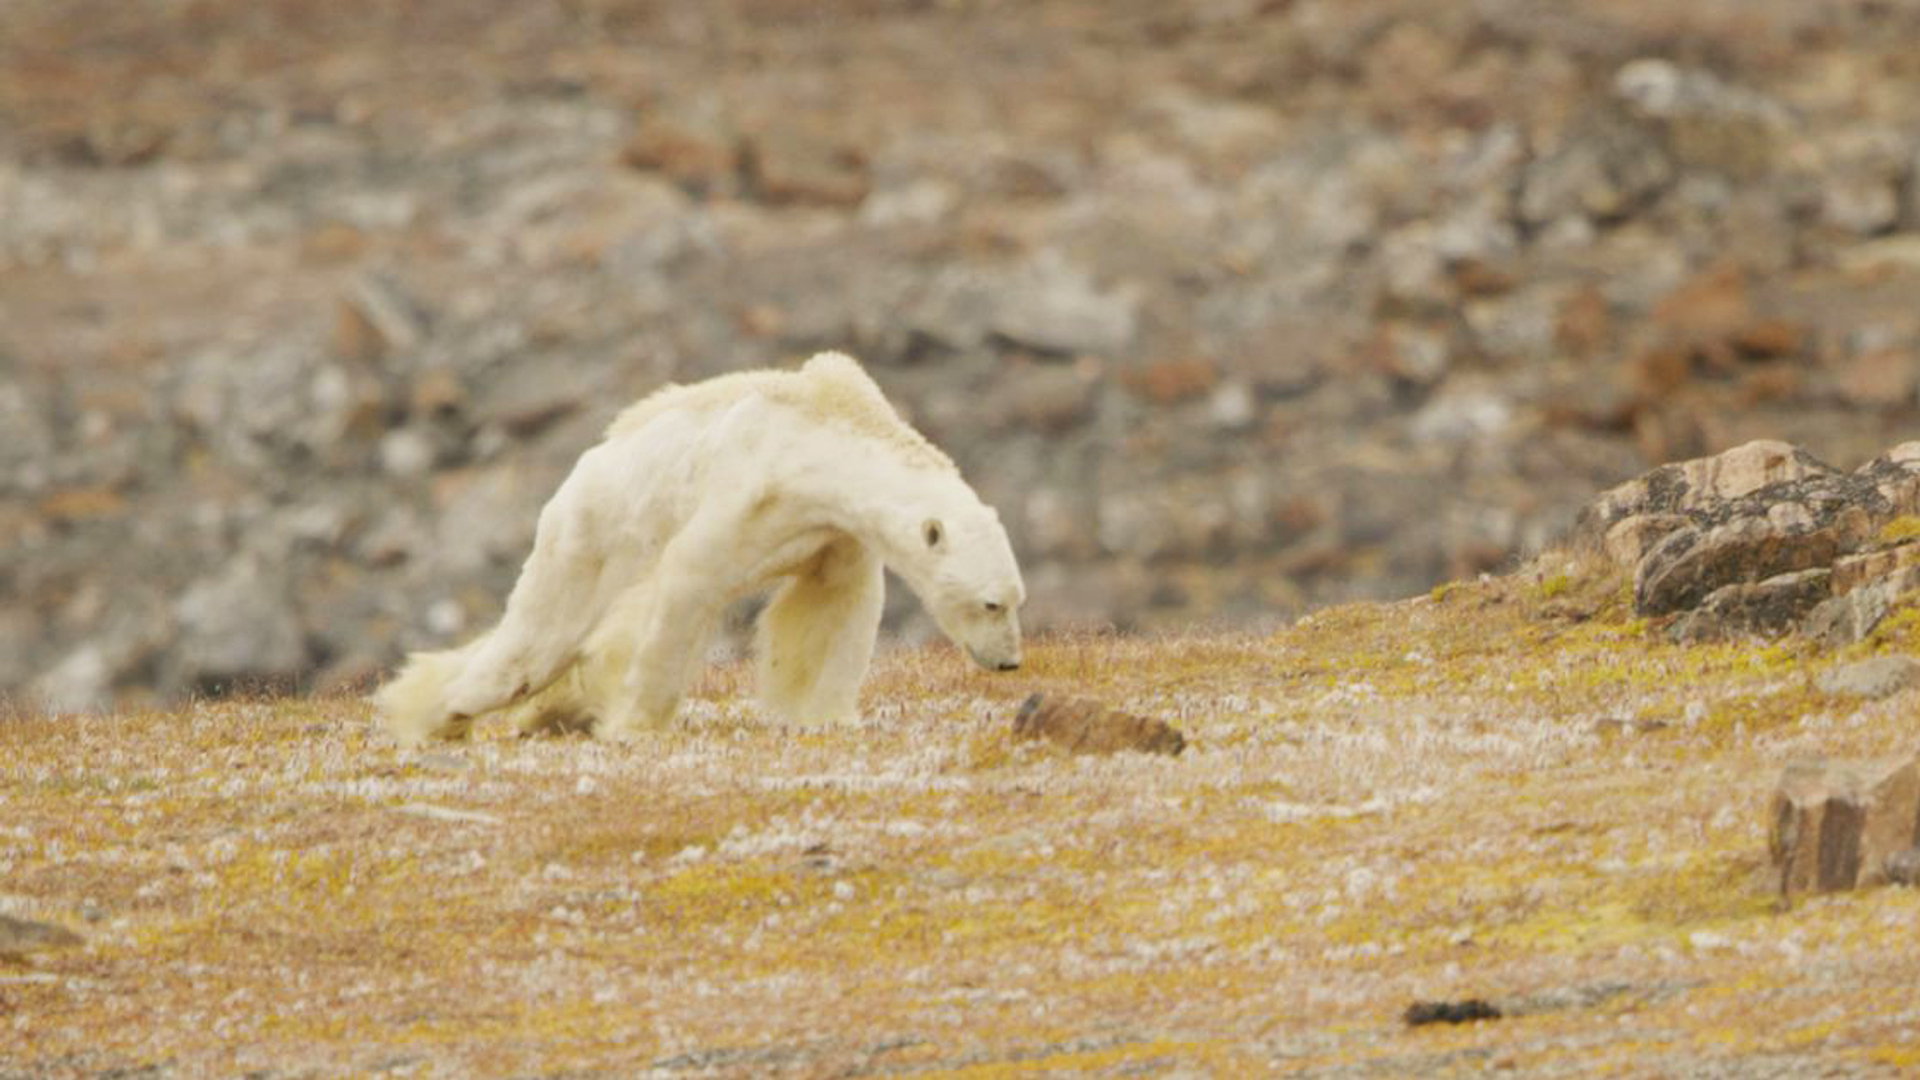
<point x="1764" y="538"/>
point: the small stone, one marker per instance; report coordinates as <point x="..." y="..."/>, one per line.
<point x="446" y="617"/>
<point x="1861" y="203"/>
<point x="1880" y="379"/>
<point x="1165" y="382"/>
<point x="1850" y="616"/>
<point x="1087" y="727"/>
<point x="787" y="164"/>
<point x="1903" y="867"/>
<point x="1891" y="254"/>
<point x="1835" y="825"/>
<point x="1232" y="406"/>
<point x="406" y="452"/>
<point x="19" y="937"/>
<point x="376" y="318"/>
<point x="1708" y="308"/>
<point x="74" y="505"/>
<point x="1053" y="306"/>
<point x="436" y="391"/>
<point x="1584" y="322"/>
<point x="1766" y="338"/>
<point x="694" y="148"/>
<point x="1706" y="122"/>
<point x="1450" y="1012"/>
<point x="1051" y="398"/>
<point x="1874" y="677"/>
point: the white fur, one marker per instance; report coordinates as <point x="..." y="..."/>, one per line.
<point x="702" y="494"/>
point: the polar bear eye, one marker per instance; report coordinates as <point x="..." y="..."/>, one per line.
<point x="993" y="608"/>
<point x="930" y="529"/>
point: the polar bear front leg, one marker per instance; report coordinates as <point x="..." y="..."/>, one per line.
<point x="816" y="637"/>
<point x="681" y="614"/>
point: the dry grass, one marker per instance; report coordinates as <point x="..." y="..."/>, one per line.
<point x="1431" y="799"/>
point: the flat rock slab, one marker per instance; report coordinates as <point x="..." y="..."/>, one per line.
<point x="1848" y="617"/>
<point x="1088" y="727"/>
<point x="1843" y="825"/>
<point x="21" y="936"/>
<point x="1874" y="677"/>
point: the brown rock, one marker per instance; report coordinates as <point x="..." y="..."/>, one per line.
<point x="792" y="165"/>
<point x="1883" y="378"/>
<point x="1713" y="319"/>
<point x="354" y="337"/>
<point x="1049" y="398"/>
<point x="1481" y="277"/>
<point x="1852" y="571"/>
<point x="1087" y="727"/>
<point x="436" y="391"/>
<point x="1659" y="372"/>
<point x="1768" y="338"/>
<point x="1838" y="825"/>
<point x="333" y="242"/>
<point x="1710" y="307"/>
<point x="1585" y="322"/>
<point x="698" y="153"/>
<point x="1168" y="381"/>
<point x="83" y="504"/>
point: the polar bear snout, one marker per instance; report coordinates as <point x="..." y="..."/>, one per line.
<point x="998" y="655"/>
<point x="995" y="663"/>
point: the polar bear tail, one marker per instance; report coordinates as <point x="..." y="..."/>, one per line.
<point x="412" y="706"/>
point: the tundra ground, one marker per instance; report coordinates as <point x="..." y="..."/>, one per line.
<point x="1506" y="790"/>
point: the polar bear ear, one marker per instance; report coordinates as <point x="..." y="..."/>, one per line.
<point x="932" y="532"/>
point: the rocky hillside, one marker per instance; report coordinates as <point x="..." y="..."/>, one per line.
<point x="1234" y="308"/>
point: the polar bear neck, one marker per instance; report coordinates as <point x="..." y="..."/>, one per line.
<point x="880" y="498"/>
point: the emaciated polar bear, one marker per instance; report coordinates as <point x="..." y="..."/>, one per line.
<point x="699" y="495"/>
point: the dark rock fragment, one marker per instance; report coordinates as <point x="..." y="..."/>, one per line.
<point x="1450" y="1012"/>
<point x="1772" y="606"/>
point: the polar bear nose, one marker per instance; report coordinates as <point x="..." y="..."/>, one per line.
<point x="1008" y="665"/>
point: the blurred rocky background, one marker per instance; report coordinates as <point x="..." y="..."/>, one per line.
<point x="1233" y="307"/>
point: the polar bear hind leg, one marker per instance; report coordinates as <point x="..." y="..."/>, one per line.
<point x="551" y="609"/>
<point x="816" y="636"/>
<point x="412" y="706"/>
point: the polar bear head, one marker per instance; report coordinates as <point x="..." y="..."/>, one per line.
<point x="962" y="568"/>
